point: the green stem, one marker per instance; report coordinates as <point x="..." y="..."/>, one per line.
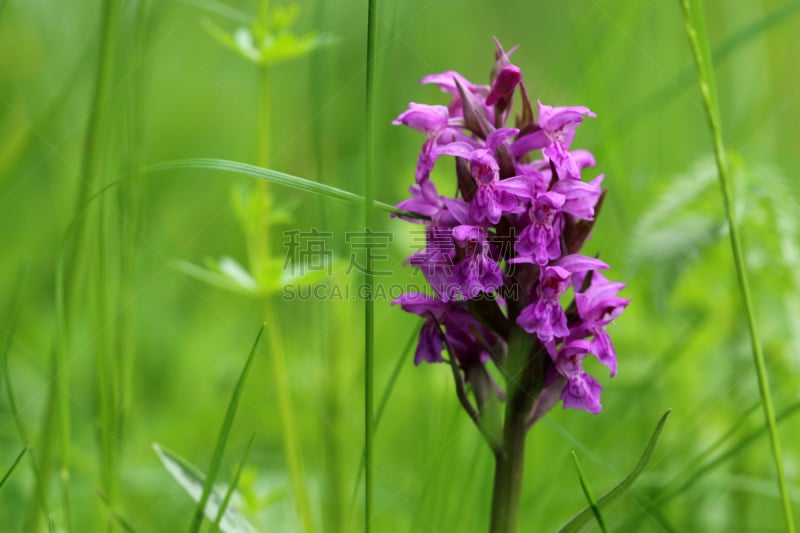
<point x="290" y="442"/>
<point x="695" y="28"/>
<point x="260" y="257"/>
<point x="524" y="373"/>
<point x="369" y="281"/>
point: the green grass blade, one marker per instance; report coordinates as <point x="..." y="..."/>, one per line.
<point x="192" y="480"/>
<point x="587" y="491"/>
<point x="719" y="54"/>
<point x="387" y="393"/>
<point x="232" y="487"/>
<point x="13" y="467"/>
<point x="273" y="176"/>
<point x="124" y="524"/>
<point x="369" y="282"/>
<point x="222" y="439"/>
<point x="698" y="40"/>
<point x="699" y="471"/>
<point x="582" y="517"/>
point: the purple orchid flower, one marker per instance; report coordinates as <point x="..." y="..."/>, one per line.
<point x="493" y="197"/>
<point x="540" y="241"/>
<point x="556" y="131"/>
<point x="598" y="306"/>
<point x="509" y="208"/>
<point x="477" y="273"/>
<point x="460" y="329"/>
<point x="581" y="391"/>
<point x="544" y="316"/>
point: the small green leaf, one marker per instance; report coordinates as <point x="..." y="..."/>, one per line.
<point x="582" y="517"/>
<point x="214" y="276"/>
<point x="192" y="480"/>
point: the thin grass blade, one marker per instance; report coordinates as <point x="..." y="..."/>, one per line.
<point x="698" y="40"/>
<point x="124" y="524"/>
<point x="587" y="491"/>
<point x="232" y="487"/>
<point x="273" y="176"/>
<point x="222" y="439"/>
<point x="582" y="517"/>
<point x="369" y="282"/>
<point x="387" y="393"/>
<point x="13" y="467"/>
<point x="193" y="480"/>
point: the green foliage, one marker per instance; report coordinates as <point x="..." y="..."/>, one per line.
<point x="274" y="42"/>
<point x="173" y="344"/>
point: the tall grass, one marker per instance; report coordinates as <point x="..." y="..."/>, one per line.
<point x="694" y="19"/>
<point x="369" y="281"/>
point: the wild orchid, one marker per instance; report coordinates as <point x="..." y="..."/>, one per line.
<point x="509" y="287"/>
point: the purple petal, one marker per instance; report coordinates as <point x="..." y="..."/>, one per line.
<point x="420" y="304"/>
<point x="534" y="140"/>
<point x="575" y="263"/>
<point x="429" y="119"/>
<point x="430" y="345"/>
<point x="582" y="392"/>
<point x="505" y="83"/>
<point x="580" y="197"/>
<point x="499" y="136"/>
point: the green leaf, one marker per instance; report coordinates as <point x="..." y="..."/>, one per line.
<point x="216" y="276"/>
<point x="582" y="517"/>
<point x="273" y="176"/>
<point x="192" y="480"/>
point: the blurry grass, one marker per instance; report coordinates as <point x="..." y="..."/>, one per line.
<point x="120" y="520"/>
<point x="587" y="491"/>
<point x="233" y="484"/>
<point x="273" y="176"/>
<point x="696" y="30"/>
<point x="222" y="438"/>
<point x="414" y="491"/>
<point x="719" y="54"/>
<point x="12" y="467"/>
<point x="582" y="517"/>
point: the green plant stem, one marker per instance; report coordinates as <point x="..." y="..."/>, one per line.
<point x="290" y="441"/>
<point x="260" y="258"/>
<point x="695" y="28"/>
<point x="523" y="371"/>
<point x="369" y="310"/>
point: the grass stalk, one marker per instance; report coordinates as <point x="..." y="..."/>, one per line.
<point x="260" y="256"/>
<point x="698" y="40"/>
<point x="13" y="467"/>
<point x="232" y="487"/>
<point x="222" y="439"/>
<point x="587" y="492"/>
<point x="369" y="281"/>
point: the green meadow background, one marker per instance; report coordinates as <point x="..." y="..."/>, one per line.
<point x="140" y="350"/>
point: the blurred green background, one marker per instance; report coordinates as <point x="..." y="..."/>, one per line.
<point x="176" y="345"/>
